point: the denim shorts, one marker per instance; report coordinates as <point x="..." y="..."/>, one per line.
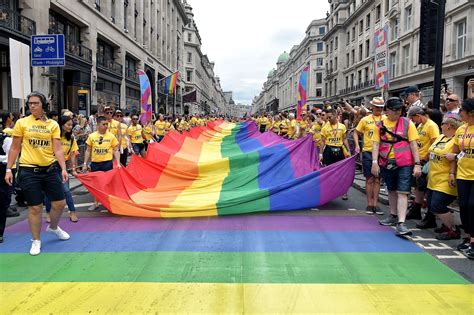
<point x="367" y="164"/>
<point x="37" y="185"/>
<point x="438" y="201"/>
<point x="138" y="148"/>
<point x="102" y="166"/>
<point x="398" y="179"/>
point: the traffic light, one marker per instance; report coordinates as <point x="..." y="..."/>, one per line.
<point x="428" y="31"/>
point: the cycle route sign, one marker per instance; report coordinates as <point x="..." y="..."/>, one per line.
<point x="47" y="50"/>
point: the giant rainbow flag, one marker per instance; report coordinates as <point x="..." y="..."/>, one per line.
<point x="170" y="83"/>
<point x="220" y="169"/>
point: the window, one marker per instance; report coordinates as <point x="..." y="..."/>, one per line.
<point x="125" y="14"/>
<point x="461" y="39"/>
<point x="335" y="42"/>
<point x="190" y="37"/>
<point x="112" y="11"/>
<point x="353" y="33"/>
<point x="367" y="21"/>
<point x="366" y="78"/>
<point x="406" y="59"/>
<point x="394" y="29"/>
<point x="361" y="52"/>
<point x="330" y="88"/>
<point x="130" y="67"/>
<point x="387" y="6"/>
<point x="347" y="82"/>
<point x="353" y="54"/>
<point x="352" y="79"/>
<point x="189" y="75"/>
<point x="378" y="12"/>
<point x="330" y="46"/>
<point x="319" y="77"/>
<point x="359" y="75"/>
<point x="361" y="27"/>
<point x="335" y="86"/>
<point x="321" y="30"/>
<point x="408" y="18"/>
<point x="393" y="64"/>
<point x="330" y="66"/>
<point x="319" y="46"/>
<point x="97" y="5"/>
<point x="347" y="60"/>
<point x="335" y="63"/>
<point x="367" y="48"/>
<point x="319" y="92"/>
<point x="190" y="57"/>
<point x="348" y="38"/>
<point x="319" y="62"/>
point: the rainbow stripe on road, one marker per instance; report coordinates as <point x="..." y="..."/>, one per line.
<point x="235" y="264"/>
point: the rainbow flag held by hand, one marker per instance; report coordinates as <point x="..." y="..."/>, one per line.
<point x="145" y="98"/>
<point x="220" y="169"/>
<point x="302" y="97"/>
<point x="170" y="83"/>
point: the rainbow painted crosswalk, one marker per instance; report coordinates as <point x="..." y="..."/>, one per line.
<point x="233" y="264"/>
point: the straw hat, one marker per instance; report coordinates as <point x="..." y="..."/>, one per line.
<point x="377" y="102"/>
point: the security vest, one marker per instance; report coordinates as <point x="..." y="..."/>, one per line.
<point x="398" y="143"/>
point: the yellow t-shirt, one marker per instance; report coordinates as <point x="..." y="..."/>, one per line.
<point x="276" y="126"/>
<point x="102" y="146"/>
<point x="182" y="125"/>
<point x="316" y="130"/>
<point x="168" y="126"/>
<point x="464" y="140"/>
<point x="160" y="127"/>
<point x="147" y="130"/>
<point x="263" y="121"/>
<point x="135" y="133"/>
<point x="69" y="147"/>
<point x="193" y="121"/>
<point x="366" y="127"/>
<point x="334" y="134"/>
<point x="438" y="174"/>
<point x="37" y="143"/>
<point x="113" y="127"/>
<point x="303" y="128"/>
<point x="123" y="133"/>
<point x="292" y="128"/>
<point x="284" y="125"/>
<point x="427" y="132"/>
<point x="390" y="125"/>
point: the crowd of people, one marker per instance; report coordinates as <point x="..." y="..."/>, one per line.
<point x="402" y="142"/>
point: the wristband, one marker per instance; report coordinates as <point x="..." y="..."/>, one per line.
<point x="8" y="170"/>
<point x="374" y="162"/>
<point x="418" y="163"/>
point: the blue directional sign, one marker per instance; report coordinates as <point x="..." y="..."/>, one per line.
<point x="47" y="50"/>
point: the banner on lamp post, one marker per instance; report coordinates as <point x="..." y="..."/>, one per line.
<point x="381" y="59"/>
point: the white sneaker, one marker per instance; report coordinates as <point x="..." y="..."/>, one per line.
<point x="93" y="207"/>
<point x="35" y="247"/>
<point x="61" y="234"/>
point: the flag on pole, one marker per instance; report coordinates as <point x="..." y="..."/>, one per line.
<point x="302" y="98"/>
<point x="145" y="98"/>
<point x="170" y="83"/>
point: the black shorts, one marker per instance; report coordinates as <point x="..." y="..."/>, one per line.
<point x="36" y="184"/>
<point x="102" y="166"/>
<point x="332" y="155"/>
<point x="421" y="182"/>
<point x="367" y="164"/>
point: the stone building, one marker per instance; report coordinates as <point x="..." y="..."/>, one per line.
<point x="351" y="25"/>
<point x="105" y="43"/>
<point x="280" y="91"/>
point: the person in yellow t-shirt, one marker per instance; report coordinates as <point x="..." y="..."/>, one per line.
<point x="149" y="134"/>
<point x="102" y="148"/>
<point x="113" y="127"/>
<point x="169" y="125"/>
<point x="284" y="124"/>
<point x="263" y="123"/>
<point x="276" y="125"/>
<point x="70" y="150"/>
<point x="439" y="194"/>
<point x="135" y="133"/>
<point x="428" y="131"/>
<point x="125" y="142"/>
<point x="160" y="127"/>
<point x="292" y="126"/>
<point x="38" y="138"/>
<point x="461" y="174"/>
<point x="397" y="178"/>
<point x="193" y="121"/>
<point x="367" y="127"/>
<point x="316" y="126"/>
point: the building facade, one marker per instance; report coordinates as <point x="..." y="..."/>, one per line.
<point x="280" y="91"/>
<point x="199" y="74"/>
<point x="106" y="42"/>
<point x="351" y="25"/>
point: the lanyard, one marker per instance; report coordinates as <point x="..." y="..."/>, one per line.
<point x="335" y="130"/>
<point x="375" y="120"/>
<point x="464" y="137"/>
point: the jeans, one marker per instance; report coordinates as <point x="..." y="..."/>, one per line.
<point x="67" y="194"/>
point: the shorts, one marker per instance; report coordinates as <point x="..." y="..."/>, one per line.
<point x="367" y="164"/>
<point x="263" y="128"/>
<point x="421" y="182"/>
<point x="398" y="179"/>
<point x="102" y="166"/>
<point x="37" y="185"/>
<point x="332" y="155"/>
<point x="159" y="138"/>
<point x="138" y="148"/>
<point x="438" y="201"/>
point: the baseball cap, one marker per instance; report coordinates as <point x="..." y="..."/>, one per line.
<point x="411" y="89"/>
<point x="394" y="103"/>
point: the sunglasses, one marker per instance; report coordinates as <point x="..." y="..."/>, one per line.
<point x="118" y="115"/>
<point x="109" y="113"/>
<point x="451" y="100"/>
<point x="101" y="139"/>
<point x="134" y="118"/>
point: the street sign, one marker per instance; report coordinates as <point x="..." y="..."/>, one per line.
<point x="47" y="50"/>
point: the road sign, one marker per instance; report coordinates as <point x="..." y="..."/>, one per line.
<point x="47" y="50"/>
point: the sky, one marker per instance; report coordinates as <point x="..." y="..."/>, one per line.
<point x="245" y="37"/>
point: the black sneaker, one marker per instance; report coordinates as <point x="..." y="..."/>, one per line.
<point x="377" y="210"/>
<point x="402" y="229"/>
<point x="441" y="229"/>
<point x="369" y="210"/>
<point x="464" y="244"/>
<point x="12" y="212"/>
<point x="428" y="222"/>
<point x="389" y="221"/>
<point x="449" y="235"/>
<point x="469" y="253"/>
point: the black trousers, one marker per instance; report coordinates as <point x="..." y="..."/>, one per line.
<point x="124" y="157"/>
<point x="466" y="204"/>
<point x="5" y="198"/>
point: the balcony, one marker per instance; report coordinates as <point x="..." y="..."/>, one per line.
<point x="361" y="86"/>
<point x="79" y="51"/>
<point x="109" y="65"/>
<point x="17" y="23"/>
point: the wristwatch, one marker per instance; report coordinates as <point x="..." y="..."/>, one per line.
<point x="418" y="163"/>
